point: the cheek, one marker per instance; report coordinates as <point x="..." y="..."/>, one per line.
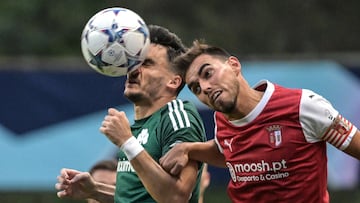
<point x="154" y="83"/>
<point x="203" y="98"/>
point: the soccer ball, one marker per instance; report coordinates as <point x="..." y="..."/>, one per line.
<point x="115" y="41"/>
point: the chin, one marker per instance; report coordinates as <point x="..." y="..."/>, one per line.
<point x="134" y="97"/>
<point x="129" y="92"/>
<point x="225" y="107"/>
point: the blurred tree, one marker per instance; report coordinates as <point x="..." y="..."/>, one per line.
<point x="53" y="28"/>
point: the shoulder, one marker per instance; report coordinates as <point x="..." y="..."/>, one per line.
<point x="316" y="115"/>
<point x="178" y="105"/>
<point x="315" y="103"/>
<point x="180" y="121"/>
<point x="180" y="114"/>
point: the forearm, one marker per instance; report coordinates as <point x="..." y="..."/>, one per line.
<point x="162" y="186"/>
<point x="104" y="193"/>
<point x="354" y="147"/>
<point x="206" y="152"/>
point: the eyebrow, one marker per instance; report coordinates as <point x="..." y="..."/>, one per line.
<point x="202" y="68"/>
<point x="198" y="73"/>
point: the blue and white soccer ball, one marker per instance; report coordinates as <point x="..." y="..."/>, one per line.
<point x="115" y="41"/>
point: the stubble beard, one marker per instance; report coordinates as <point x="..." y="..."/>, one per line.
<point x="133" y="97"/>
<point x="226" y="107"/>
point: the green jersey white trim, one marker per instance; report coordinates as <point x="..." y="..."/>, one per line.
<point x="178" y="115"/>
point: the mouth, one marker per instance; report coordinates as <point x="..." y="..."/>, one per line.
<point x="215" y="95"/>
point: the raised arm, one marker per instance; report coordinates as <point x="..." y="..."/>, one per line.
<point x="162" y="186"/>
<point x="177" y="158"/>
<point x="80" y="185"/>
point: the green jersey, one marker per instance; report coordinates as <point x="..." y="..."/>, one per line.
<point x="178" y="121"/>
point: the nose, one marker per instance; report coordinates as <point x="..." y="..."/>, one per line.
<point x="134" y="73"/>
<point x="205" y="87"/>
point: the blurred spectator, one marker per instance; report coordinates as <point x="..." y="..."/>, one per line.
<point x="104" y="171"/>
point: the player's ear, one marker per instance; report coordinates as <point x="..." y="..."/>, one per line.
<point x="235" y="64"/>
<point x="175" y="82"/>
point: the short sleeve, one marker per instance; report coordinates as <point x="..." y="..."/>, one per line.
<point x="181" y="124"/>
<point x="321" y="121"/>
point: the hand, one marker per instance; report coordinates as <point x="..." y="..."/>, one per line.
<point x="116" y="127"/>
<point x="175" y="159"/>
<point x="75" y="184"/>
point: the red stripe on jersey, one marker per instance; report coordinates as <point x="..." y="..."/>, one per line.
<point x="340" y="139"/>
<point x="338" y="132"/>
<point x="327" y="134"/>
<point x="347" y="134"/>
<point x="332" y="135"/>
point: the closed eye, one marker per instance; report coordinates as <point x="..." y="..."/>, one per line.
<point x="148" y="62"/>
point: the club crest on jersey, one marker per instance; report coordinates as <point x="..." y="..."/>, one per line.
<point x="275" y="136"/>
<point x="143" y="136"/>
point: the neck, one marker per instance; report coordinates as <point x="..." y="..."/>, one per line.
<point x="247" y="100"/>
<point x="246" y="107"/>
<point x="143" y="110"/>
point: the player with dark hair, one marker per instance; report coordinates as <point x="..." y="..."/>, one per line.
<point x="161" y="121"/>
<point x="271" y="138"/>
<point x="106" y="165"/>
<point x="104" y="171"/>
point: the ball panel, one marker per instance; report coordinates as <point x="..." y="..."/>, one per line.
<point x="134" y="42"/>
<point x="128" y="19"/>
<point x="113" y="71"/>
<point x="96" y="41"/>
<point x="85" y="51"/>
<point x="101" y="21"/>
<point x="145" y="49"/>
<point x="114" y="54"/>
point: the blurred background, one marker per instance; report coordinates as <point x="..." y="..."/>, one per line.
<point x="52" y="103"/>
